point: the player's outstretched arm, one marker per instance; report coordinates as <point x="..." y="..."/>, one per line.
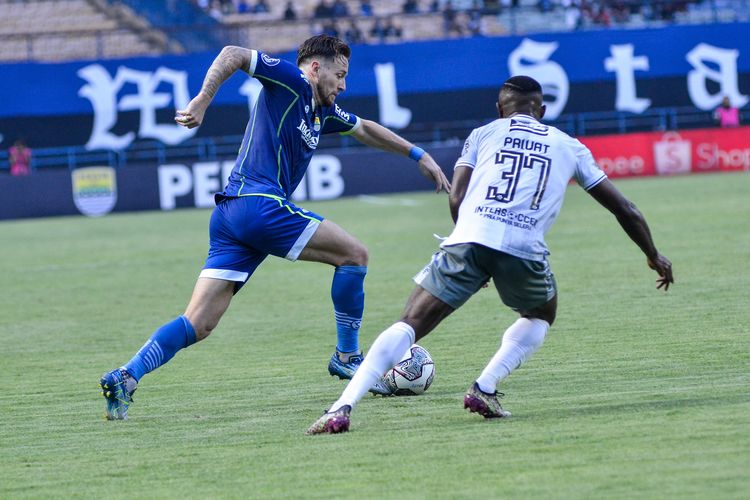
<point x="377" y="136"/>
<point x="634" y="224"/>
<point x="229" y="60"/>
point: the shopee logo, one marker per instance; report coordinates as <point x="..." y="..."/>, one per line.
<point x="672" y="154"/>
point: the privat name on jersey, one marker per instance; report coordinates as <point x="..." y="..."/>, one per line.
<point x="526" y="145"/>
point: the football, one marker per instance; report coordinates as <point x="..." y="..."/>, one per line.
<point x="412" y="375"/>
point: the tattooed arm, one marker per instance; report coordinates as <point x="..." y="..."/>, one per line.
<point x="229" y="60"/>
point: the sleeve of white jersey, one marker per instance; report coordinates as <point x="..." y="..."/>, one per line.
<point x="468" y="156"/>
<point x="588" y="174"/>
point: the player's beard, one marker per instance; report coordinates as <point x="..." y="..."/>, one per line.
<point x="326" y="98"/>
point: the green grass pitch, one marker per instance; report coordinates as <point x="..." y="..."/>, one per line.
<point x="635" y="394"/>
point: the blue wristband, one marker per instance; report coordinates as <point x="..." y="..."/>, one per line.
<point x="416" y="153"/>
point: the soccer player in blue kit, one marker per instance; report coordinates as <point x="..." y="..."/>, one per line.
<point x="254" y="216"/>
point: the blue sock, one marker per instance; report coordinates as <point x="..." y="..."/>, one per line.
<point x="161" y="347"/>
<point x="348" y="294"/>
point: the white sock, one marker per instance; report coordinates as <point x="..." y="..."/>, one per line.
<point x="520" y="341"/>
<point x="385" y="352"/>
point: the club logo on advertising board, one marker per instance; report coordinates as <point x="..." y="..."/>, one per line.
<point x="94" y="190"/>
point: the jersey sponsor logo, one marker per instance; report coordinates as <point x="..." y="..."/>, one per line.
<point x="343" y="114"/>
<point x="270" y="61"/>
<point x="506" y="216"/>
<point x="307" y="135"/>
<point x="466" y="147"/>
<point x="94" y="190"/>
<point x="531" y="127"/>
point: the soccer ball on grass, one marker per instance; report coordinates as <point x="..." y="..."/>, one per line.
<point x="412" y="375"/>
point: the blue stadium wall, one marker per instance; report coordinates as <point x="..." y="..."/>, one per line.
<point x="110" y="104"/>
<point x="633" y="70"/>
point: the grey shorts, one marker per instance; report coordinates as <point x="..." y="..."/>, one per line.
<point x="457" y="272"/>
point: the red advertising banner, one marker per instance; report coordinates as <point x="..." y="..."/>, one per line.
<point x="672" y="152"/>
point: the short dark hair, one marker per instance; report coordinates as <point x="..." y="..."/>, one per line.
<point x="326" y="46"/>
<point x="521" y="84"/>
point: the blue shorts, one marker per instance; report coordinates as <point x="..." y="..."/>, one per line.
<point x="245" y="230"/>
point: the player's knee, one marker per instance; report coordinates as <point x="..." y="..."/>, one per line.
<point x="545" y="315"/>
<point x="357" y="255"/>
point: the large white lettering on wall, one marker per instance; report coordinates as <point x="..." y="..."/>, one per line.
<point x="102" y="91"/>
<point x="391" y="114"/>
<point x="624" y="65"/>
<point x="322" y="181"/>
<point x="532" y="59"/>
<point x="718" y="66"/>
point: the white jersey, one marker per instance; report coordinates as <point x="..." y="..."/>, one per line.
<point x="521" y="171"/>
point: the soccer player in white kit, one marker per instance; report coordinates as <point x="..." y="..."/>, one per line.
<point x="508" y="188"/>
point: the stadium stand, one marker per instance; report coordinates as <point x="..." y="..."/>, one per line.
<point x="428" y="20"/>
<point x="58" y="30"/>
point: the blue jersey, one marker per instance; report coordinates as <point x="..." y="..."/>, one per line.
<point x="283" y="132"/>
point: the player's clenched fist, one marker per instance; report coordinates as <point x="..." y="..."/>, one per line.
<point x="192" y="116"/>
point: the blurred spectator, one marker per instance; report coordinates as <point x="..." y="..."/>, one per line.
<point x="491" y="7"/>
<point x="215" y="10"/>
<point x="323" y="10"/>
<point x="339" y="9"/>
<point x="261" y="7"/>
<point x="392" y="29"/>
<point x="353" y="35"/>
<point x="330" y="28"/>
<point x="19" y="158"/>
<point x="243" y="7"/>
<point x="289" y="13"/>
<point x="573" y="19"/>
<point x="544" y="5"/>
<point x="474" y="23"/>
<point x="377" y="32"/>
<point x="410" y="7"/>
<point x="365" y="8"/>
<point x="602" y="16"/>
<point x="726" y="115"/>
<point x="226" y="6"/>
<point x="620" y="12"/>
<point x="451" y="24"/>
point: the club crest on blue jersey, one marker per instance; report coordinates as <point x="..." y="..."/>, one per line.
<point x="270" y="61"/>
<point x="94" y="190"/>
<point x="316" y="124"/>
